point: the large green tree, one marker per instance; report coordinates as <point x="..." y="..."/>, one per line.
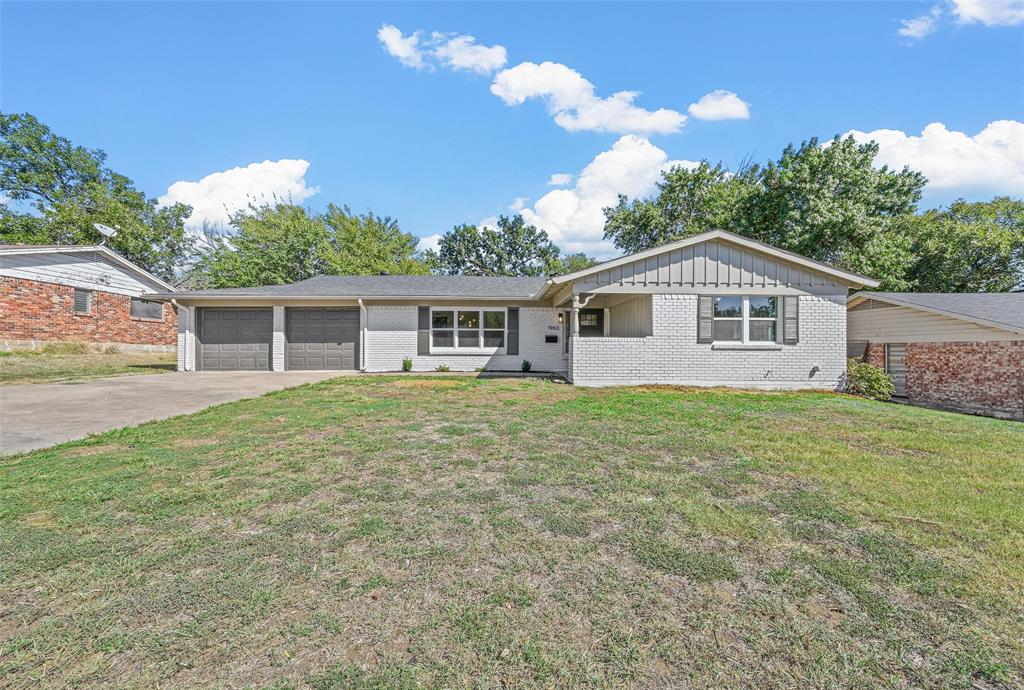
<point x="58" y="190"/>
<point x="369" y="244"/>
<point x="278" y="243"/>
<point x="827" y="202"/>
<point x="968" y="247"/>
<point x="270" y="244"/>
<point x="688" y="201"/>
<point x="513" y="248"/>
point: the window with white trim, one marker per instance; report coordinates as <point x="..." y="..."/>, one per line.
<point x="467" y="330"/>
<point x="746" y="319"/>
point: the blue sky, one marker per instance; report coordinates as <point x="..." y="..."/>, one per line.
<point x="177" y="92"/>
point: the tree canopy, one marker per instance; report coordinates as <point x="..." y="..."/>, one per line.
<point x="279" y="243"/>
<point x="513" y="248"/>
<point x="831" y="203"/>
<point x="58" y="190"/>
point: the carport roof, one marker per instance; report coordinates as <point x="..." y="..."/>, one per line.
<point x="418" y="287"/>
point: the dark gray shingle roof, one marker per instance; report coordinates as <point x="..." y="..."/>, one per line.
<point x="479" y="287"/>
<point x="1006" y="308"/>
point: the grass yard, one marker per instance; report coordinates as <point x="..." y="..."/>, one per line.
<point x="66" y="365"/>
<point x="451" y="532"/>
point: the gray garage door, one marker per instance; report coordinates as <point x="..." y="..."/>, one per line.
<point x="235" y="339"/>
<point x="322" y="338"/>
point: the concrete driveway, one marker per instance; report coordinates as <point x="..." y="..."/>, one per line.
<point x="40" y="415"/>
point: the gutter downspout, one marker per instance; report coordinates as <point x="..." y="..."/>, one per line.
<point x="362" y="335"/>
<point x="184" y="355"/>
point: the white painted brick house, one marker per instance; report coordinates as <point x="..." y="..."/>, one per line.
<point x="713" y="309"/>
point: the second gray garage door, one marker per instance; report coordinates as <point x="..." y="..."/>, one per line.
<point x="235" y="339"/>
<point x="322" y="338"/>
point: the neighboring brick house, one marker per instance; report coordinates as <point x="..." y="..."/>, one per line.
<point x="61" y="293"/>
<point x="955" y="351"/>
<point x="712" y="309"/>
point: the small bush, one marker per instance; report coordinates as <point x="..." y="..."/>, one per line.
<point x="868" y="381"/>
<point x="407" y="364"/>
<point x="442" y="367"/>
<point x="527" y="365"/>
<point x="480" y="369"/>
<point x="111" y="350"/>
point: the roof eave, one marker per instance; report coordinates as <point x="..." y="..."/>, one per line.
<point x="862" y="296"/>
<point x="106" y="251"/>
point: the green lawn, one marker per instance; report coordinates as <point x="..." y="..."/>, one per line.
<point x="59" y="366"/>
<point x="452" y="532"/>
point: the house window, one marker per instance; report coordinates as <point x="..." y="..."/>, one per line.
<point x="752" y="319"/>
<point x="588" y="319"/>
<point x="83" y="301"/>
<point x="147" y="309"/>
<point x="467" y="329"/>
<point x="728" y="319"/>
<point x="762" y="317"/>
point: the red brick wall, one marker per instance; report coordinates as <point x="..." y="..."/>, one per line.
<point x="980" y="377"/>
<point x="31" y="310"/>
<point x="876" y="355"/>
<point x="984" y="377"/>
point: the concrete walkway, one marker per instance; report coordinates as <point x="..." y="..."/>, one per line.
<point x="40" y="415"/>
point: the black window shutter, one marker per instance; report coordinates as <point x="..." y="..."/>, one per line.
<point x="791" y="320"/>
<point x="423" y="333"/>
<point x="512" y="337"/>
<point x="705" y="318"/>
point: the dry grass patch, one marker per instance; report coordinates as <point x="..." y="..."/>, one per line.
<point x="365" y="532"/>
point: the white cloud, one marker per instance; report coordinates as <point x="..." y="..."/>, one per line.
<point x="572" y="101"/>
<point x="216" y="196"/>
<point x="405" y="48"/>
<point x="720" y="105"/>
<point x="490" y="223"/>
<point x="518" y="204"/>
<point x="464" y="53"/>
<point x="559" y="180"/>
<point x="454" y="51"/>
<point x="574" y="218"/>
<point x="919" y="27"/>
<point x="989" y="12"/>
<point x="990" y="161"/>
<point x="432" y="242"/>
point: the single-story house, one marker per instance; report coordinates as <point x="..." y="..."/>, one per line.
<point x="956" y="351"/>
<point x="712" y="309"/>
<point x="88" y="294"/>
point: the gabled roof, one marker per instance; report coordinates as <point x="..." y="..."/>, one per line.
<point x="996" y="309"/>
<point x="852" y="279"/>
<point x="106" y="252"/>
<point x="389" y="287"/>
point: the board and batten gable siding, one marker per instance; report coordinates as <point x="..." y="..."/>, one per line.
<point x="879" y="322"/>
<point x="87" y="270"/>
<point x="714" y="263"/>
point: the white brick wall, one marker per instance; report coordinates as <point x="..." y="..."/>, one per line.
<point x="391" y="336"/>
<point x="672" y="354"/>
<point x="277" y="344"/>
<point x="186" y="339"/>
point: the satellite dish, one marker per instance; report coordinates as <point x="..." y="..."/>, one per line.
<point x="105" y="230"/>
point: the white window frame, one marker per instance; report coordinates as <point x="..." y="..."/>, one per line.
<point x="480" y="350"/>
<point x="745" y="320"/>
